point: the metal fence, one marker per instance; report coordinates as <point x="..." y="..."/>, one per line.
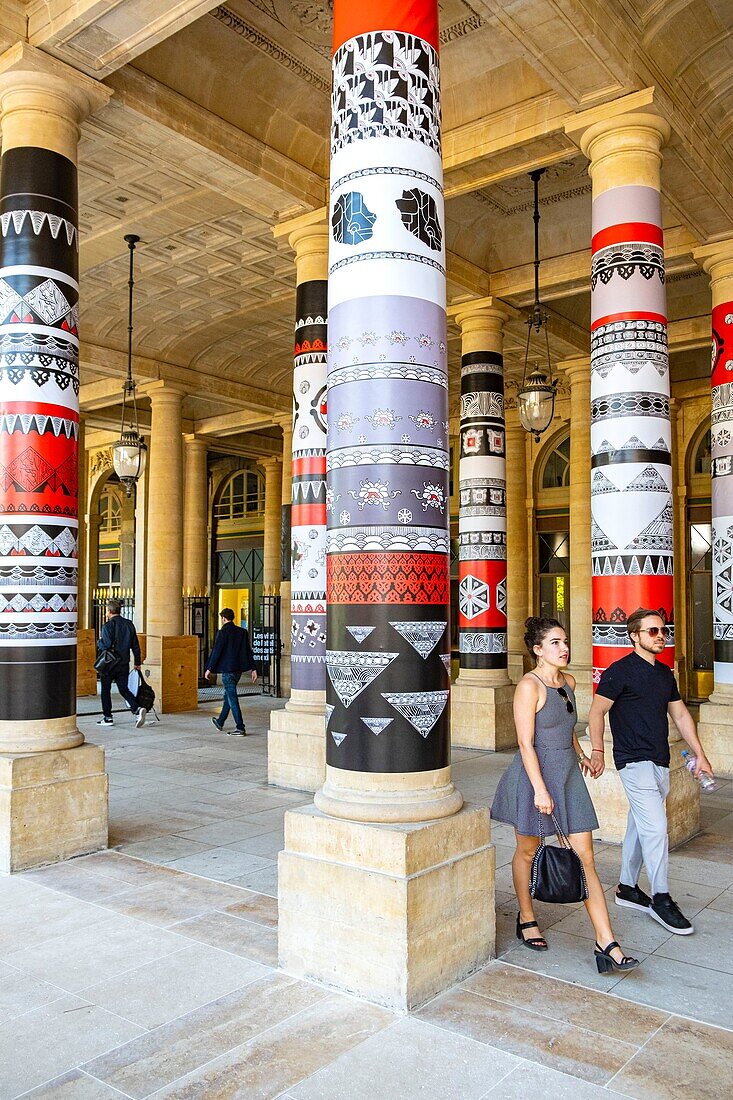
<point x="126" y="596"/>
<point x="267" y="645"/>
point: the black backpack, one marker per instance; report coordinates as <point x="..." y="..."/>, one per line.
<point x="145" y="697"/>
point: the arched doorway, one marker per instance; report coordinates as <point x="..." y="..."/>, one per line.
<point x="552" y="527"/>
<point x="239" y="511"/>
<point x="699" y="578"/>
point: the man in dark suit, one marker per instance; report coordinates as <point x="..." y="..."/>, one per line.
<point x="231" y="656"/>
<point x="119" y="635"/>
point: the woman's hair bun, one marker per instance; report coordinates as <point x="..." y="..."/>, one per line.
<point x="536" y="628"/>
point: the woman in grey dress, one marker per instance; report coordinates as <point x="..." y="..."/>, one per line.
<point x="545" y="778"/>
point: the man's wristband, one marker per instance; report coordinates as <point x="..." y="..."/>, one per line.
<point x="601" y="751"/>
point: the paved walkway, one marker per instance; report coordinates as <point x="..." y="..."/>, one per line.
<point x="150" y="970"/>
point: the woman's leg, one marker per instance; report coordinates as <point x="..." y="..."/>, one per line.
<point x="596" y="901"/>
<point x="521" y="871"/>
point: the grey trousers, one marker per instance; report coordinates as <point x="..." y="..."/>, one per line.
<point x="646" y="840"/>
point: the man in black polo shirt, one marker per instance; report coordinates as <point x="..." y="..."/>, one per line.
<point x="640" y="692"/>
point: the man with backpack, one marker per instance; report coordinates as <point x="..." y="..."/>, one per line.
<point x="118" y="639"/>
<point x="231" y="656"/>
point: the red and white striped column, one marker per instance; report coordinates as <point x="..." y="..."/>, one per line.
<point x="632" y="544"/>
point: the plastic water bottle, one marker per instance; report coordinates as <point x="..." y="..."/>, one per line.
<point x="705" y="781"/>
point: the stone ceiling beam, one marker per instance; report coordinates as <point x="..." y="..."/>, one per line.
<point x="162" y="105"/>
<point x="98" y="36"/>
<point x="232" y="423"/>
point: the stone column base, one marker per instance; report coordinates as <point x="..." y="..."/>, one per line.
<point x="482" y="717"/>
<point x="53" y="805"/>
<point x="715" y="729"/>
<point x="171" y="668"/>
<point x="392" y="913"/>
<point x="612" y="805"/>
<point x="296" y="746"/>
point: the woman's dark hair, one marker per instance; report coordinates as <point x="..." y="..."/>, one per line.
<point x="536" y="628"/>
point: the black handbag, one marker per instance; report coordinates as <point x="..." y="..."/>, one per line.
<point x="557" y="872"/>
<point x="106" y="657"/>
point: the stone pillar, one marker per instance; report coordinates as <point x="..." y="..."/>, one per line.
<point x="481" y="699"/>
<point x="172" y="660"/>
<point x="83" y="519"/>
<point x="518" y="561"/>
<point x="141" y="551"/>
<point x="716" y="716"/>
<point x="272" y="565"/>
<point x="632" y="532"/>
<point x="577" y="371"/>
<point x="295" y="746"/>
<point x="386" y="884"/>
<point x="196" y="516"/>
<point x="53" y="789"/>
<point x="285" y="587"/>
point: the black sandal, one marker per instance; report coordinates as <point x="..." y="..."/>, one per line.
<point x="605" y="960"/>
<point x="534" y="943"/>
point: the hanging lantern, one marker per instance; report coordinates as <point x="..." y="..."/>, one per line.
<point x="536" y="398"/>
<point x="129" y="452"/>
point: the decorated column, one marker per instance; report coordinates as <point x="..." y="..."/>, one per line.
<point x="518" y="575"/>
<point x="295" y="747"/>
<point x="481" y="704"/>
<point x="632" y="517"/>
<point x="716" y="716"/>
<point x="384" y="888"/>
<point x="42" y="818"/>
<point x="285" y="507"/>
<point x="577" y="371"/>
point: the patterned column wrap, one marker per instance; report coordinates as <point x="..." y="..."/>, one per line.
<point x="632" y="544"/>
<point x="482" y="588"/>
<point x="388" y="655"/>
<point x="39" y="426"/>
<point x="722" y="487"/>
<point x="308" y="512"/>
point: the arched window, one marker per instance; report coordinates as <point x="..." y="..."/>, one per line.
<point x="701" y="463"/>
<point x="556" y="473"/>
<point x="242" y="496"/>
<point x="110" y="510"/>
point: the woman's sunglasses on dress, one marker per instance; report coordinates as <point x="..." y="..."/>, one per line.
<point x="566" y="699"/>
<point x="654" y="631"/>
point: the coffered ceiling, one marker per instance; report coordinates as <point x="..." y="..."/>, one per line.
<point x="217" y="130"/>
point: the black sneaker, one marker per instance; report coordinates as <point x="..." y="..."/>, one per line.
<point x="214" y="722"/>
<point x="106" y="722"/>
<point x="668" y="913"/>
<point x="241" y="732"/>
<point x="632" y="897"/>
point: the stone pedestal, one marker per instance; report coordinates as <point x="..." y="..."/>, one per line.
<point x="86" y="652"/>
<point x="481" y="714"/>
<point x="410" y="906"/>
<point x="612" y="805"/>
<point x="715" y="729"/>
<point x="296" y="743"/>
<point x="53" y="805"/>
<point x="171" y="668"/>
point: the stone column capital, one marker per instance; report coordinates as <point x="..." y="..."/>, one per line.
<point x="43" y="101"/>
<point x="194" y="442"/>
<point x="307" y="235"/>
<point x="161" y="392"/>
<point x="716" y="258"/>
<point x="481" y="323"/>
<point x="623" y="141"/>
<point x="576" y="369"/>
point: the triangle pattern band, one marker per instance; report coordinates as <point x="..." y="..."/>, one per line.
<point x="329" y="711"/>
<point x="422" y="636"/>
<point x="351" y="673"/>
<point x="338" y="737"/>
<point x="37" y="219"/>
<point x="445" y="658"/>
<point x="376" y="725"/>
<point x="359" y="633"/>
<point x="422" y="709"/>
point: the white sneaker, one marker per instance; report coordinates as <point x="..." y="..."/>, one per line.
<point x="106" y="722"/>
<point x="140" y="719"/>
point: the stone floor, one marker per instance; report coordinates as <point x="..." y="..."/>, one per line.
<point x="150" y="970"/>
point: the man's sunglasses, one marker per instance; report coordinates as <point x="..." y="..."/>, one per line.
<point x="566" y="698"/>
<point x="653" y="631"/>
